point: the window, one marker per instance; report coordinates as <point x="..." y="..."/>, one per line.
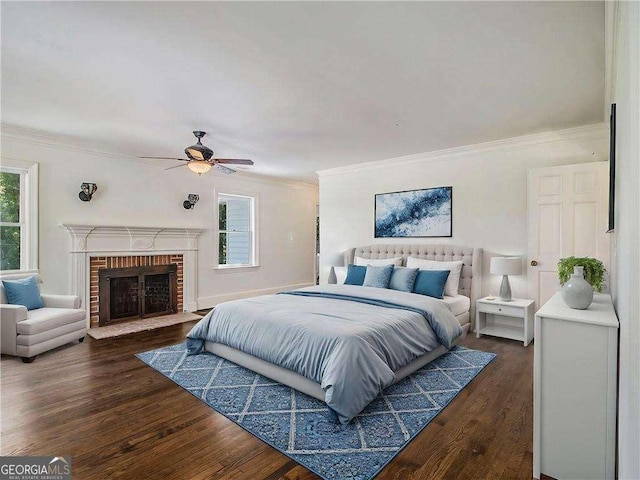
<point x="236" y="231"/>
<point x="18" y="216"/>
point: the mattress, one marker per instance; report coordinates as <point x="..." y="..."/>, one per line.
<point x="458" y="304"/>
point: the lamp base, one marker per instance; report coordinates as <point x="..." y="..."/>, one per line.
<point x="332" y="280"/>
<point x="505" y="289"/>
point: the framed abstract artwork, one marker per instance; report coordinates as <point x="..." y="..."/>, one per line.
<point x="414" y="213"/>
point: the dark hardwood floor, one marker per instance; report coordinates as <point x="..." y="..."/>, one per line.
<point x="119" y="418"/>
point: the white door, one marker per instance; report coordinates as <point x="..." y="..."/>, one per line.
<point x="567" y="208"/>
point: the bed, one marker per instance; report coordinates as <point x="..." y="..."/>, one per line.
<point x="343" y="344"/>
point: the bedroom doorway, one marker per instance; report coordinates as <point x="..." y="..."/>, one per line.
<point x="567" y="215"/>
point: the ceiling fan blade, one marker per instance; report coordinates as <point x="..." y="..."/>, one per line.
<point x="177" y="166"/>
<point x="224" y="169"/>
<point x="236" y="161"/>
<point x="167" y="158"/>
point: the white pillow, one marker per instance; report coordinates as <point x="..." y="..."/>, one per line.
<point x="379" y="262"/>
<point x="341" y="274"/>
<point x="455" y="268"/>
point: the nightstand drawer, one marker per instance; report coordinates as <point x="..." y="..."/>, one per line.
<point x="502" y="310"/>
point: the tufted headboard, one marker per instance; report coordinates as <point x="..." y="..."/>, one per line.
<point x="470" y="278"/>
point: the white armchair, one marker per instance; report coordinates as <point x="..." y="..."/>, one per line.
<point x="27" y="333"/>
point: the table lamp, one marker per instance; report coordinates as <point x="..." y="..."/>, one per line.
<point x="506" y="266"/>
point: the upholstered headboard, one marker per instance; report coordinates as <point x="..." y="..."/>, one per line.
<point x="470" y="278"/>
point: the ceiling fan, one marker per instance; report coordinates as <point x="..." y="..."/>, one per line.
<point x="200" y="158"/>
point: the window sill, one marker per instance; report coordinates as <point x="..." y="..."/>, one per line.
<point x="235" y="268"/>
<point x="26" y="271"/>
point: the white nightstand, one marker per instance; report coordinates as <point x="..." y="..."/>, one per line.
<point x="512" y="319"/>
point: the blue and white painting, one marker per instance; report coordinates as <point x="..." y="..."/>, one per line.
<point x="414" y="213"/>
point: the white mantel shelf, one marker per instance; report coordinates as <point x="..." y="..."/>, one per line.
<point x="112" y="240"/>
<point x="128" y="230"/>
<point x="96" y="237"/>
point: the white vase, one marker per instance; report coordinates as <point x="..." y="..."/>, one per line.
<point x="577" y="293"/>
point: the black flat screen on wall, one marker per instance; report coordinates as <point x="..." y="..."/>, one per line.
<point x="612" y="166"/>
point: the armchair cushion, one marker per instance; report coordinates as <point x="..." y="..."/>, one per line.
<point x="44" y="319"/>
<point x="23" y="291"/>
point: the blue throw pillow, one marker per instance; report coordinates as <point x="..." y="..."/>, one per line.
<point x="23" y="292"/>
<point x="378" y="277"/>
<point x="431" y="283"/>
<point x="403" y="279"/>
<point x="355" y="275"/>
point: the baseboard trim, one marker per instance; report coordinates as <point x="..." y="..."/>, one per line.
<point x="210" y="302"/>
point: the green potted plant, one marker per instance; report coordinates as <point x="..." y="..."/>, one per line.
<point x="579" y="276"/>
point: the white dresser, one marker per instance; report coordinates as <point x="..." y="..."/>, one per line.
<point x="574" y="381"/>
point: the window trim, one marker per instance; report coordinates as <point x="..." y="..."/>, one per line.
<point x="28" y="211"/>
<point x="255" y="230"/>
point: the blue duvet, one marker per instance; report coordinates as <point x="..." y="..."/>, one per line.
<point x="349" y="339"/>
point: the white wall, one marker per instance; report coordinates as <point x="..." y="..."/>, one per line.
<point x="625" y="256"/>
<point x="135" y="194"/>
<point x="489" y="194"/>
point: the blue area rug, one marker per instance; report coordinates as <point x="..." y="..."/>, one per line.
<point x="299" y="426"/>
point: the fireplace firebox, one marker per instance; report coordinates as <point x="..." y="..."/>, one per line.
<point x="137" y="292"/>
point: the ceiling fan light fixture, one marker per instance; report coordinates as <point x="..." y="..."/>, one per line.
<point x="199" y="166"/>
<point x="200" y="158"/>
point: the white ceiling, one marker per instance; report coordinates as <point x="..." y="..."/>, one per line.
<point x="301" y="86"/>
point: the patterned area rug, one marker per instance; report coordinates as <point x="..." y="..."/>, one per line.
<point x="141" y="325"/>
<point x="299" y="426"/>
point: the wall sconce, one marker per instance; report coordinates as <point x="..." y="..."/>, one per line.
<point x="87" y="191"/>
<point x="192" y="199"/>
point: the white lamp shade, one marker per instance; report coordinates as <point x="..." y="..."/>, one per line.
<point x="506" y="265"/>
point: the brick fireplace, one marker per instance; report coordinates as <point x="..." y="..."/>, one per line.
<point x="97" y="247"/>
<point x="109" y="270"/>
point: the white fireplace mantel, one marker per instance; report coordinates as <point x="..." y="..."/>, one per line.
<point x="109" y="240"/>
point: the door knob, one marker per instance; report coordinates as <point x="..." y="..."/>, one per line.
<point x="534" y="263"/>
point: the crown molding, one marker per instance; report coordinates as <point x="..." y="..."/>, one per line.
<point x="277" y="181"/>
<point x="73" y="144"/>
<point x="589" y="131"/>
<point x="64" y="142"/>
